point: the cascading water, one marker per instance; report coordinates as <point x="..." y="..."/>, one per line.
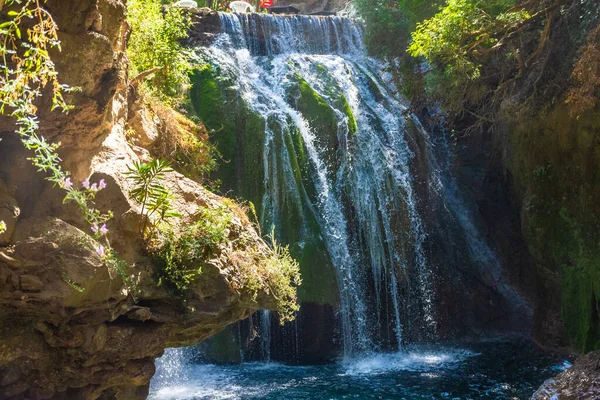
<point x="356" y="182"/>
<point x="314" y="135"/>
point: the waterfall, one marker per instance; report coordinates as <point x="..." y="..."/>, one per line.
<point x="327" y="148"/>
<point x="355" y="181"/>
<point x="265" y="334"/>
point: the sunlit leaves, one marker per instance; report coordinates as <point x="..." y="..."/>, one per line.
<point x="457" y="40"/>
<point x="154" y="43"/>
<point x="150" y="193"/>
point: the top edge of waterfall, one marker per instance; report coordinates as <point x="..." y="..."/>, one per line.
<point x="267" y="34"/>
<point x="290" y="16"/>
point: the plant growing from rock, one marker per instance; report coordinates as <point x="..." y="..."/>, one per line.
<point x="25" y="71"/>
<point x="181" y="254"/>
<point x="153" y="197"/>
<point x="273" y="271"/>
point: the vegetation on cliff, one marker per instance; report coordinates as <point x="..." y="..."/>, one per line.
<point x="26" y="72"/>
<point x="525" y="75"/>
<point x="154" y="47"/>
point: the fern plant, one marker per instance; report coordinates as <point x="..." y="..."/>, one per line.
<point x="149" y="192"/>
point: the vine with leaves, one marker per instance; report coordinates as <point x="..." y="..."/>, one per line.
<point x="26" y="39"/>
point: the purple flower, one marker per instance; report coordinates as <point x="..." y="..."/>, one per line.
<point x="100" y="250"/>
<point x="103" y="229"/>
<point x="86" y="183"/>
<point x="101" y="184"/>
<point x="94" y="187"/>
<point x="66" y="183"/>
<point x="95" y="228"/>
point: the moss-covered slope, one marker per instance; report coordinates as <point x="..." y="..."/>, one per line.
<point x="555" y="160"/>
<point x="240" y="134"/>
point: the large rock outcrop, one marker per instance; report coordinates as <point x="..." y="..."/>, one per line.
<point x="71" y="328"/>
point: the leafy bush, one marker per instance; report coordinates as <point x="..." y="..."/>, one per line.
<point x="154" y="46"/>
<point x="153" y="197"/>
<point x="457" y="39"/>
<point x="281" y="278"/>
<point x="181" y="255"/>
<point x="389" y="23"/>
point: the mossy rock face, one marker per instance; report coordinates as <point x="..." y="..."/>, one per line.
<point x="321" y="119"/>
<point x="239" y="134"/>
<point x="237" y="131"/>
<point x="555" y="161"/>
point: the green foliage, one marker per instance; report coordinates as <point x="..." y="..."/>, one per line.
<point x="150" y="193"/>
<point x="455" y="42"/>
<point x="185" y="143"/>
<point x="181" y="254"/>
<point x="2" y="227"/>
<point x="389" y="23"/>
<point x="24" y="73"/>
<point x="154" y="45"/>
<point x="282" y="280"/>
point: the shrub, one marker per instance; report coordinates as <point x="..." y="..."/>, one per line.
<point x="457" y="40"/>
<point x="154" y="46"/>
<point x="389" y="23"/>
<point x="282" y="278"/>
<point x="181" y="255"/>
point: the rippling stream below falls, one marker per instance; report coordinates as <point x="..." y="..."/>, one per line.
<point x="488" y="370"/>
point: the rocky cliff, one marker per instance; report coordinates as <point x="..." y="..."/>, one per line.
<point x="70" y="326"/>
<point x="533" y="174"/>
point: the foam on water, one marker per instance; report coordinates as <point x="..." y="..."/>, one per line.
<point x="483" y="371"/>
<point x="412" y="360"/>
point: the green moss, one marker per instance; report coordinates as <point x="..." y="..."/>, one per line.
<point x="321" y="118"/>
<point x="560" y="183"/>
<point x="314" y="108"/>
<point x="239" y="136"/>
<point x="345" y="106"/>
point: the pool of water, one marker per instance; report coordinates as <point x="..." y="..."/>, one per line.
<point x="490" y="370"/>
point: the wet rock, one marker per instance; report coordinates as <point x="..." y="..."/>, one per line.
<point x="580" y="382"/>
<point x="11" y="374"/>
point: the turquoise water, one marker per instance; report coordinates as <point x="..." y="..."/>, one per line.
<point x="490" y="370"/>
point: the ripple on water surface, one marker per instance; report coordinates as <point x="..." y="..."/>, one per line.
<point x="492" y="370"/>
